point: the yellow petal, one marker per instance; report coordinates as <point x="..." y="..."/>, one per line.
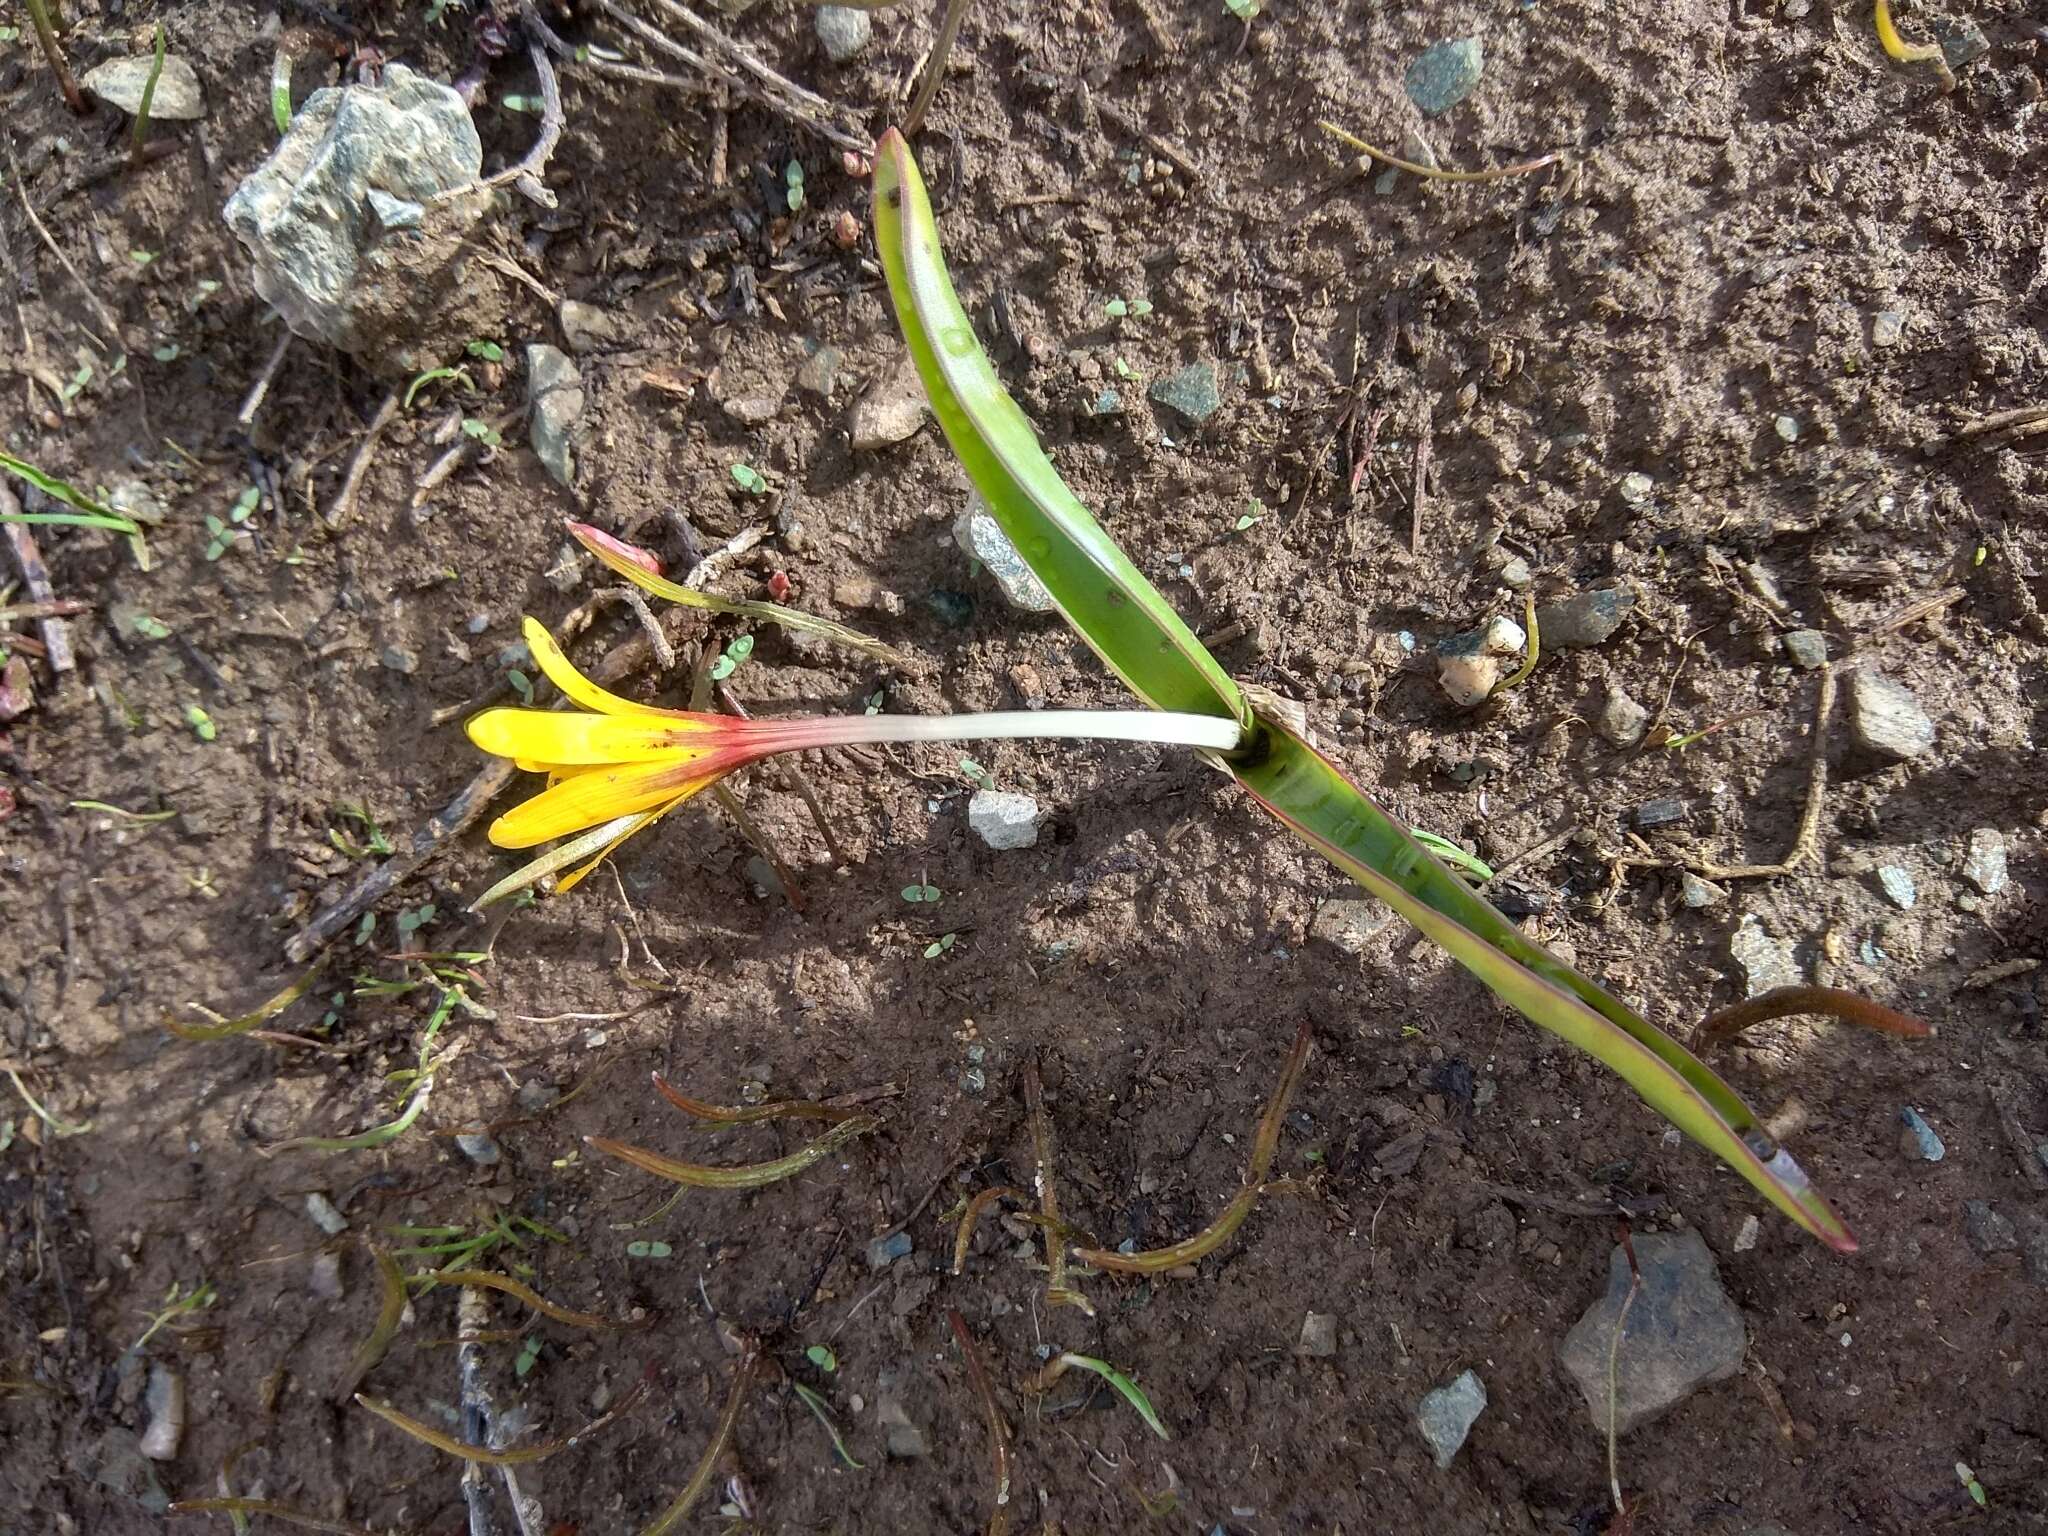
<point x="591" y="798"/>
<point x="560" y="739"/>
<point x="640" y="823"/>
<point x="580" y="689"/>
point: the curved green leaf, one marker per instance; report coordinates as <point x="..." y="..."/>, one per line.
<point x="1102" y="594"/>
<point x="1313" y="798"/>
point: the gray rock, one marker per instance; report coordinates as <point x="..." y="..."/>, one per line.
<point x="1989" y="1232"/>
<point x="398" y="658"/>
<point x="1583" y="619"/>
<point x="1806" y="648"/>
<point x="1897" y="883"/>
<point x="893" y="409"/>
<point x="1194" y="393"/>
<point x="1350" y="924"/>
<point x="1697" y="893"/>
<point x="1652" y="814"/>
<point x="2041" y="1151"/>
<point x="325" y="1215"/>
<point x="751" y="410"/>
<point x="1767" y="963"/>
<point x="481" y="1149"/>
<point x="120" y="83"/>
<point x="1003" y="820"/>
<point x="1917" y="1139"/>
<point x="892" y="1383"/>
<point x="165" y="1403"/>
<point x="1444" y="75"/>
<point x="1636" y="487"/>
<point x="324" y="1279"/>
<point x="981" y="537"/>
<point x="1984" y="866"/>
<point x="1107" y="402"/>
<point x="1787" y="428"/>
<point x="843" y="32"/>
<point x="820" y="372"/>
<point x="397" y="300"/>
<point x="2034" y="1250"/>
<point x="1885" y="718"/>
<point x="1446" y="1415"/>
<point x="1887" y="328"/>
<point x="1516" y="573"/>
<point x="1962" y="41"/>
<point x="1318" y="1336"/>
<point x="1746" y="1238"/>
<point x="884" y="1251"/>
<point x="394" y="213"/>
<point x="586" y="327"/>
<point x="1682" y="1332"/>
<point x="554" y="388"/>
<point x="118" y="1465"/>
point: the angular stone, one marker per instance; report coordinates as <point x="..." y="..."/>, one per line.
<point x="1990" y="1232"/>
<point x="481" y="1149"/>
<point x="554" y="386"/>
<point x="981" y="537"/>
<point x="820" y="372"/>
<point x="906" y="1441"/>
<point x="1697" y="893"/>
<point x="1622" y="720"/>
<point x="1962" y="41"/>
<point x="1469" y="664"/>
<point x="121" y="82"/>
<point x="1885" y="718"/>
<point x="1897" y="883"/>
<point x="1583" y="619"/>
<point x="1652" y="814"/>
<point x="1918" y="1140"/>
<point x="324" y="1279"/>
<point x="586" y="327"/>
<point x="1446" y="1415"/>
<point x="324" y="1214"/>
<point x="893" y="409"/>
<point x="1682" y="1332"/>
<point x="1767" y="963"/>
<point x="843" y="32"/>
<point x="1194" y="393"/>
<point x="397" y="300"/>
<point x="1887" y="328"/>
<point x="884" y="1251"/>
<point x="1318" y="1336"/>
<point x="1636" y="487"/>
<point x="1444" y="75"/>
<point x="1349" y="924"/>
<point x="1984" y="866"/>
<point x="1806" y="648"/>
<point x="1003" y="820"/>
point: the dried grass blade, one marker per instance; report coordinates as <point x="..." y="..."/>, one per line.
<point x="707" y="1465"/>
<point x="483" y="1455"/>
<point x="487" y="1280"/>
<point x="972" y="1215"/>
<point x="816" y="1403"/>
<point x="389" y="1314"/>
<point x="748" y="1114"/>
<point x="1829" y="1002"/>
<point x="268" y="1507"/>
<point x="221" y="1029"/>
<point x="998" y="1431"/>
<point x="1057" y="1292"/>
<point x="746" y="1176"/>
<point x="1266" y="1144"/>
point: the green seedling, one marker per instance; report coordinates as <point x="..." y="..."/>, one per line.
<point x="1136" y="309"/>
<point x="1126" y="1388"/>
<point x="1246" y="11"/>
<point x="940" y="945"/>
<point x="730" y="659"/>
<point x="487" y="351"/>
<point x="917" y="893"/>
<point x="201" y="723"/>
<point x="822" y="1357"/>
<point x="976" y="775"/>
<point x="648" y="1250"/>
<point x="142" y="258"/>
<point x="143" y="108"/>
<point x="1251" y="517"/>
<point x="46" y="35"/>
<point x="1455" y="856"/>
<point x="1971" y="1486"/>
<point x="520" y="684"/>
<point x="750" y="479"/>
<point x="58" y="1126"/>
<point x="115" y="810"/>
<point x="528" y="1357"/>
<point x="435" y="375"/>
<point x="483" y="432"/>
<point x="816" y="1404"/>
<point x="793" y="185"/>
<point x="1138" y="635"/>
<point x="281" y="91"/>
<point x="85" y="512"/>
<point x="532" y="106"/>
<point x="169" y="352"/>
<point x="177" y="1303"/>
<point x="374" y="844"/>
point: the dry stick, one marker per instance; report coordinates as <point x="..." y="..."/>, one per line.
<point x="1422" y="453"/>
<point x="2023" y="1146"/>
<point x="981" y="1202"/>
<point x="935" y="65"/>
<point x="1057" y="1292"/>
<point x="104" y="316"/>
<point x="998" y="1431"/>
<point x="1635" y="1283"/>
<point x="465" y="449"/>
<point x="35" y="576"/>
<point x="345" y="498"/>
<point x="472" y="1313"/>
<point x="46" y="34"/>
<point x="253" y="402"/>
<point x="1415" y="168"/>
<point x="1157" y="142"/>
<point x="527" y="173"/>
<point x="806" y="108"/>
<point x="1783" y="1002"/>
<point x="1807" y="839"/>
<point x="707" y="1465"/>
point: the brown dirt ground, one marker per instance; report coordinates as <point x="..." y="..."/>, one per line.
<point x="1750" y="188"/>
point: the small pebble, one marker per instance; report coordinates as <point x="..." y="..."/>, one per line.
<point x="1194" y="392"/>
<point x="884" y="1251"/>
<point x="1918" y="1140"/>
<point x="479" y="1149"/>
<point x="1584" y="619"/>
<point x="1622" y="720"/>
<point x="1806" y="648"/>
<point x="1899" y="889"/>
<point x="1962" y="41"/>
<point x="1652" y="814"/>
<point x="399" y="659"/>
<point x="1984" y="867"/>
<point x="1697" y="893"/>
<point x="1003" y="820"/>
<point x="893" y="408"/>
<point x="1746" y="1238"/>
<point x="1446" y="1416"/>
<point x="478" y="623"/>
<point x="843" y="32"/>
<point x="1767" y="962"/>
<point x="1885" y="719"/>
<point x="820" y="372"/>
<point x="1990" y="1232"/>
<point x="1796" y="10"/>
<point x="1318" y="1336"/>
<point x="324" y="1280"/>
<point x="1636" y="487"/>
<point x="1516" y="573"/>
<point x="325" y="1216"/>
<point x="1787" y="427"/>
<point x="1444" y="75"/>
<point x="166" y="1404"/>
<point x="1887" y="328"/>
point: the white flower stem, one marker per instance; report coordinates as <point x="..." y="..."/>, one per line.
<point x="1214" y="732"/>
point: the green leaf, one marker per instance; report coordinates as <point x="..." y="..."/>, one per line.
<point x="975" y="774"/>
<point x="87" y="513"/>
<point x="816" y="1404"/>
<point x="921" y="893"/>
<point x="167" y="353"/>
<point x="822" y="1357"/>
<point x="489" y="351"/>
<point x="1094" y="583"/>
<point x="201" y="723"/>
<point x="750" y="479"/>
<point x="940" y="945"/>
<point x="483" y="432"/>
<point x="529" y="1356"/>
<point x="646" y="1250"/>
<point x="1126" y="1388"/>
<point x="793" y="182"/>
<point x="1116" y="309"/>
<point x="150" y="627"/>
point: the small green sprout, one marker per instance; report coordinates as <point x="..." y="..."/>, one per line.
<point x="1125" y="371"/>
<point x="1136" y="309"/>
<point x="529" y="1356"/>
<point x="1254" y="514"/>
<point x="975" y="774"/>
<point x="433" y="375"/>
<point x="1470" y="865"/>
<point x="734" y="654"/>
<point x="521" y="684"/>
<point x="169" y="352"/>
<point x="1126" y="1388"/>
<point x="816" y="1404"/>
<point x="750" y="479"/>
<point x="281" y="91"/>
<point x="150" y="627"/>
<point x="920" y="892"/>
<point x="411" y="920"/>
<point x="176" y="1305"/>
<point x="1969" y="1481"/>
<point x="532" y="106"/>
<point x="822" y="1357"/>
<point x="1245" y="11"/>
<point x="141" y="258"/>
<point x="793" y="184"/>
<point x="940" y="945"/>
<point x="647" y="1250"/>
<point x="72" y="390"/>
<point x="374" y="844"/>
<point x="201" y="723"/>
<point x="483" y="432"/>
<point x="487" y="351"/>
<point x="875" y="702"/>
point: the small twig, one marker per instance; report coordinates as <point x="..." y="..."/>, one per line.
<point x="707" y="1465"/>
<point x="464" y="450"/>
<point x="38" y="11"/>
<point x="1529" y="855"/>
<point x="1913" y="612"/>
<point x="1415" y="502"/>
<point x="366" y="450"/>
<point x="731" y="549"/>
<point x="1635" y="1284"/>
<point x="253" y="401"/>
<point x="2023" y="1146"/>
<point x="103" y="316"/>
<point x="526" y="175"/>
<point x="998" y="1431"/>
<point x="36" y="577"/>
<point x="472" y="1317"/>
<point x="1159" y="144"/>
<point x="1783" y="1002"/>
<point x="1438" y="173"/>
<point x="935" y="65"/>
<point x="1057" y="1292"/>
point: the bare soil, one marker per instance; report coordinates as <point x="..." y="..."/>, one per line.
<point x="1748" y="189"/>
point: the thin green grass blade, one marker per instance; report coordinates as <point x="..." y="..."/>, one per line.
<point x="1326" y="810"/>
<point x="1102" y="594"/>
<point x="89" y="513"/>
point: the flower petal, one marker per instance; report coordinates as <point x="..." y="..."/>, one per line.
<point x="580" y="689"/>
<point x="599" y="796"/>
<point x="639" y="823"/>
<point x="560" y="739"/>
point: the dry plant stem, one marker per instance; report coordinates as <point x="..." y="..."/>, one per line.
<point x="390" y="1313"/>
<point x="1911" y="53"/>
<point x="478" y="1455"/>
<point x="39" y="13"/>
<point x="801" y="106"/>
<point x="253" y="401"/>
<point x="1635" y="1283"/>
<point x="748" y="1114"/>
<point x="55" y="633"/>
<point x="1783" y="1002"/>
<point x="535" y="164"/>
<point x="472" y="1315"/>
<point x="1421" y="493"/>
<point x="998" y="1431"/>
<point x="102" y="316"/>
<point x="935" y="65"/>
<point x="1437" y="173"/>
<point x="707" y="1466"/>
<point x="270" y="1507"/>
<point x="480" y="1279"/>
<point x="972" y="1215"/>
<point x="1057" y="1291"/>
<point x="366" y="450"/>
<point x="464" y="450"/>
<point x="747" y="1175"/>
<point x="1807" y="840"/>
